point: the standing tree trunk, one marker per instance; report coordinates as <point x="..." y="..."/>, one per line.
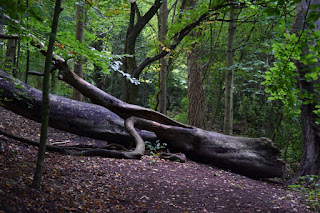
<point x="80" y="18"/>
<point x="1" y="42"/>
<point x="228" y="106"/>
<point x="195" y="90"/>
<point x="130" y="90"/>
<point x="11" y="57"/>
<point x="28" y="51"/>
<point x="97" y="75"/>
<point x="45" y="99"/>
<point x="27" y="64"/>
<point x="163" y="29"/>
<point x="310" y="161"/>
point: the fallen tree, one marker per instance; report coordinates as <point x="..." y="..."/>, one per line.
<point x="253" y="157"/>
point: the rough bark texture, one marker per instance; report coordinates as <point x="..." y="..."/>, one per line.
<point x="248" y="156"/>
<point x="252" y="157"/>
<point x="65" y="114"/>
<point x="310" y="161"/>
<point x="195" y="90"/>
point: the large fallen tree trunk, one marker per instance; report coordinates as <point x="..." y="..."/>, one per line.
<point x="65" y="114"/>
<point x="254" y="157"/>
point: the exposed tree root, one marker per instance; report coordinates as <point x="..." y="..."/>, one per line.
<point x="68" y="150"/>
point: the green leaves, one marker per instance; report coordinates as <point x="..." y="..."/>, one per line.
<point x="272" y="11"/>
<point x="282" y="79"/>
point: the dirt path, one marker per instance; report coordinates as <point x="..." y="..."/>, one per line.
<point x="94" y="184"/>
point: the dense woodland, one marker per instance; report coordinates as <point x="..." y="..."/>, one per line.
<point x="241" y="68"/>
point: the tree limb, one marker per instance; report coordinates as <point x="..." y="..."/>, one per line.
<point x="178" y="37"/>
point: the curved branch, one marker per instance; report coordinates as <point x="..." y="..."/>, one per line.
<point x="142" y="20"/>
<point x="140" y="146"/>
<point x="115" y="105"/>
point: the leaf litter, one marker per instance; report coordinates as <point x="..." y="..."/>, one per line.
<point x="95" y="184"/>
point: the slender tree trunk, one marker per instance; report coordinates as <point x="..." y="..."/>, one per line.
<point x="1" y="44"/>
<point x="18" y="55"/>
<point x="27" y="64"/>
<point x="1" y="48"/>
<point x="310" y="161"/>
<point x="97" y="75"/>
<point x="163" y="29"/>
<point x="130" y="92"/>
<point x="45" y="99"/>
<point x="11" y="56"/>
<point x="228" y="108"/>
<point x="80" y="18"/>
<point x="53" y="83"/>
<point x="28" y="51"/>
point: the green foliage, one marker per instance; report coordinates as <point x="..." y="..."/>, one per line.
<point x="182" y="114"/>
<point x="281" y="79"/>
<point x="309" y="186"/>
<point x="258" y="26"/>
<point x="288" y="138"/>
<point x="155" y="148"/>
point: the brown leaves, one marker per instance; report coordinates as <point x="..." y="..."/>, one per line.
<point x="94" y="184"/>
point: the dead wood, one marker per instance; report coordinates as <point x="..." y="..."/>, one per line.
<point x="254" y="157"/>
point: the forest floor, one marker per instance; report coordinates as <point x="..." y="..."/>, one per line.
<point x="95" y="184"/>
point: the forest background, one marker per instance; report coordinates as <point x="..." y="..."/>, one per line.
<point x="229" y="74"/>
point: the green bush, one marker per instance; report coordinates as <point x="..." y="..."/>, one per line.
<point x="155" y="148"/>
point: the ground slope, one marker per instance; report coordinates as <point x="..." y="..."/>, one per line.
<point x="94" y="184"/>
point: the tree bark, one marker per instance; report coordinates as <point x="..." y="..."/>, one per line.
<point x="130" y="90"/>
<point x="11" y="56"/>
<point x="195" y="90"/>
<point x="194" y="67"/>
<point x="228" y="106"/>
<point x="46" y="99"/>
<point x="255" y="158"/>
<point x="252" y="157"/>
<point x="310" y="161"/>
<point x="80" y="19"/>
<point x="65" y="114"/>
<point x="163" y="29"/>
